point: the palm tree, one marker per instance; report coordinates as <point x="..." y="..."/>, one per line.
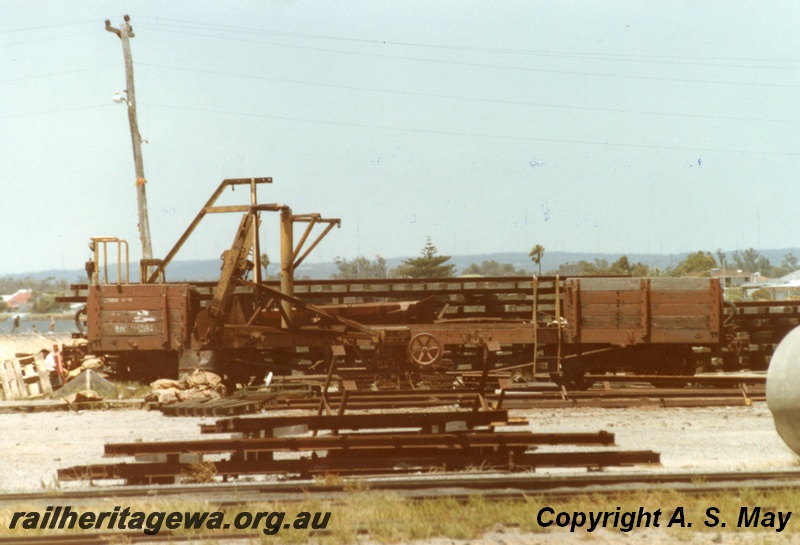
<point x="264" y="262"/>
<point x="536" y="256"/>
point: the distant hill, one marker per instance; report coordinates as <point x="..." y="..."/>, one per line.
<point x="208" y="269"/>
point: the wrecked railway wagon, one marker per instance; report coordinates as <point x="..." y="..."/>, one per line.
<point x="243" y="326"/>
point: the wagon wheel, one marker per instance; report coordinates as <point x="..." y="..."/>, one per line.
<point x="424" y="350"/>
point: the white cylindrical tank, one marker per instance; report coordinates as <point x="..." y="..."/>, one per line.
<point x="783" y="389"/>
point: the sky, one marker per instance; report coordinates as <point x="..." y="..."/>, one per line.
<point x="608" y="127"/>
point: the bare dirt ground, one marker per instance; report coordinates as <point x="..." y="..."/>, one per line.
<point x="34" y="445"/>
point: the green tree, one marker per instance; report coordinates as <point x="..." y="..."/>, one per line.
<point x="45" y="291"/>
<point x="597" y="267"/>
<point x="624" y="267"/>
<point x="583" y="268"/>
<point x="46" y="302"/>
<point x="621" y="266"/>
<point x="761" y="294"/>
<point x="493" y="268"/>
<point x="698" y="262"/>
<point x="734" y="294"/>
<point x="721" y="257"/>
<point x="429" y="265"/>
<point x="48" y="285"/>
<point x="570" y="269"/>
<point x="537" y="252"/>
<point x="789" y="264"/>
<point x="751" y="260"/>
<point x="265" y="263"/>
<point x="601" y="266"/>
<point x="360" y="267"/>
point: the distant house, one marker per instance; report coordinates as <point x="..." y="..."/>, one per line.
<point x="785" y="287"/>
<point x="737" y="279"/>
<point x="792" y="279"/>
<point x="21" y="301"/>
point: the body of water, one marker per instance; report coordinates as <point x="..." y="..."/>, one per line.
<point x="42" y="326"/>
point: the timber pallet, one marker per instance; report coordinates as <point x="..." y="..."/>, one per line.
<point x="24" y="377"/>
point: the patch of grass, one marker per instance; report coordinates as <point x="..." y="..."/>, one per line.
<point x="200" y="472"/>
<point x="52" y="487"/>
<point x="389" y="518"/>
<point x="328" y="479"/>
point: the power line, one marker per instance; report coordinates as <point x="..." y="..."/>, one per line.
<point x="48" y="27"/>
<point x="401" y="93"/>
<point x="478" y="135"/>
<point x="58" y="111"/>
<point x="59" y="73"/>
<point x="495" y="66"/>
<point x="464" y="98"/>
<point x="47" y="39"/>
<point x="665" y="59"/>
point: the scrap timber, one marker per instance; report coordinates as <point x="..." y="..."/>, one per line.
<point x="24" y="377"/>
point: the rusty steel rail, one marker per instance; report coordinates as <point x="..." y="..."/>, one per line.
<point x="635" y="391"/>
<point x="370" y="464"/>
<point x="522" y="485"/>
<point x="426" y="422"/>
<point x="380" y="444"/>
<point x="397" y="442"/>
<point x="726" y="380"/>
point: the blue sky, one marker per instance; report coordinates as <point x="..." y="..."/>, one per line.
<point x="613" y="127"/>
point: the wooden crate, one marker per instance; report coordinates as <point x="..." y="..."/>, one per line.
<point x="24" y="377"/>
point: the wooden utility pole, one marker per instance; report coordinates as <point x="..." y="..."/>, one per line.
<point x="125" y="32"/>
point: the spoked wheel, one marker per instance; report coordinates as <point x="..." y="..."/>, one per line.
<point x="424" y="350"/>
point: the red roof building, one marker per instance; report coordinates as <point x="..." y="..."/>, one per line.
<point x="19" y="300"/>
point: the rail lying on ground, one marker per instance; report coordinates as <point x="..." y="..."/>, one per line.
<point x="609" y="391"/>
<point x="373" y="444"/>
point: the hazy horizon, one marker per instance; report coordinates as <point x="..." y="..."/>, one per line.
<point x="550" y="261"/>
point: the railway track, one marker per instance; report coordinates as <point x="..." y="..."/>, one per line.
<point x="460" y="485"/>
<point x="304" y="393"/>
<point x="539" y="489"/>
<point x="609" y="391"/>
